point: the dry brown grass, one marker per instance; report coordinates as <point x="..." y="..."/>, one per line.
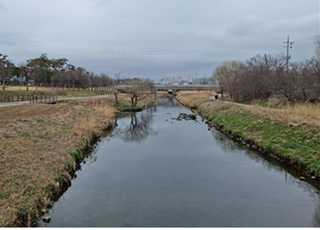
<point x="35" y="145"/>
<point x="211" y="107"/>
<point x="25" y="112"/>
<point x="87" y="126"/>
<point x="299" y="114"/>
<point x="105" y="114"/>
<point x="193" y="98"/>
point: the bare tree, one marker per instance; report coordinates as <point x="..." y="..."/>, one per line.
<point x="105" y="81"/>
<point x="314" y="67"/>
<point x="60" y="78"/>
<point x="226" y="76"/>
<point x="137" y="90"/>
<point x="285" y="83"/>
<point x="253" y="80"/>
<point x="58" y="65"/>
<point x="219" y="78"/>
<point x="81" y="75"/>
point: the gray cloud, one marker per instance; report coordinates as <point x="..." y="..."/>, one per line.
<point x="2" y="7"/>
<point x="53" y="27"/>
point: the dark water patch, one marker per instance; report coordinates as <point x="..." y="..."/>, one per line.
<point x="153" y="171"/>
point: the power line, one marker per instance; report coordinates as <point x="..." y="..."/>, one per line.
<point x="300" y="46"/>
<point x="304" y="39"/>
<point x="143" y="52"/>
<point x="151" y="52"/>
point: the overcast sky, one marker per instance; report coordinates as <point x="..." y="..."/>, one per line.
<point x="156" y="38"/>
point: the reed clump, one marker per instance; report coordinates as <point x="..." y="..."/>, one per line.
<point x="297" y="114"/>
<point x="193" y="99"/>
<point x="213" y="106"/>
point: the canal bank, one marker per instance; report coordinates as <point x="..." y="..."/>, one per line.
<point x="158" y="170"/>
<point x="294" y="145"/>
<point x="42" y="146"/>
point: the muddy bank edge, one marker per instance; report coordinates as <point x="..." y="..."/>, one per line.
<point x="297" y="147"/>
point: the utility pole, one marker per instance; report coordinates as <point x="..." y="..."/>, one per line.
<point x="265" y="57"/>
<point x="289" y="44"/>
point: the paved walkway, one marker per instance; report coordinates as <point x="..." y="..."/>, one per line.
<point x="59" y="99"/>
<point x="244" y="105"/>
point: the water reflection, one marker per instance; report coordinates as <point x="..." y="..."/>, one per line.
<point x="225" y="143"/>
<point x="138" y="129"/>
<point x="271" y="164"/>
<point x="267" y="162"/>
<point x="190" y="178"/>
<point x="316" y="216"/>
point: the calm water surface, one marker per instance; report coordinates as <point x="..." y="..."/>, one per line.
<point x="154" y="171"/>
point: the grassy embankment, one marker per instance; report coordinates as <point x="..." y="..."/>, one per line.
<point x="40" y="147"/>
<point x="291" y="132"/>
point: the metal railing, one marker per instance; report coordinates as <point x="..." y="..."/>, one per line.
<point x="31" y="98"/>
<point x="43" y="98"/>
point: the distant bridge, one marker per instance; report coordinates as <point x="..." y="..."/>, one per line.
<point x="177" y="88"/>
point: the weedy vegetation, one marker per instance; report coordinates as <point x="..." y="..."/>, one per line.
<point x="40" y="146"/>
<point x="33" y="156"/>
<point x="292" y="130"/>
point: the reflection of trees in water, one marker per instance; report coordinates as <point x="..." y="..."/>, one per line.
<point x="228" y="145"/>
<point x="168" y="102"/>
<point x="223" y="141"/>
<point x="316" y="216"/>
<point x="139" y="127"/>
<point x="91" y="158"/>
<point x="269" y="164"/>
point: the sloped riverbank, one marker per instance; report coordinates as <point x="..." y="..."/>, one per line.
<point x="289" y="144"/>
<point x="163" y="168"/>
<point x="42" y="146"/>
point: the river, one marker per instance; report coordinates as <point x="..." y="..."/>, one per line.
<point x="154" y="171"/>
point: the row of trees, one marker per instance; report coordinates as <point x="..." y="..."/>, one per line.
<point x="263" y="76"/>
<point x="51" y="72"/>
<point x="60" y="74"/>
